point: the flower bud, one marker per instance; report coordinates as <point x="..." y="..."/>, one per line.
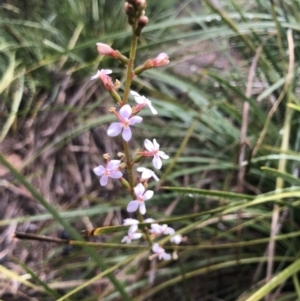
<point x="105" y="49"/>
<point x="142" y="22"/>
<point x="141" y="4"/>
<point x="161" y="60"/>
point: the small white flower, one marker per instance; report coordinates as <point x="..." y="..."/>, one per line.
<point x="110" y="171"/>
<point x="131" y="235"/>
<point x="160" y="252"/>
<point x="176" y="239"/>
<point x="141" y="197"/>
<point x="142" y="101"/>
<point x="147" y="173"/>
<point x="130" y="221"/>
<point x="102" y="74"/>
<point x="161" y="229"/>
<point x="149" y="220"/>
<point x="153" y="150"/>
<point x="124" y="125"/>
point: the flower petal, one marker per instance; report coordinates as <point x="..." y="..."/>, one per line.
<point x="165" y="256"/>
<point x="113" y="164"/>
<point x="125" y="111"/>
<point x="127" y="134"/>
<point x="156" y="145"/>
<point x="139" y="189"/>
<point x="130" y="221"/>
<point x="152" y="109"/>
<point x="163" y="155"/>
<point x="149" y="145"/>
<point x="157" y="162"/>
<point x="116" y="174"/>
<point x="126" y="239"/>
<point x="96" y="75"/>
<point x="142" y="208"/>
<point x="136" y="236"/>
<point x="156" y="248"/>
<point x="103" y="180"/>
<point x="135" y="119"/>
<point x="133" y="206"/>
<point x="106" y="71"/>
<point x="133" y="229"/>
<point x="177" y="239"/>
<point x="114" y="129"/>
<point x="99" y="170"/>
<point x="148" y="195"/>
<point x="134" y="93"/>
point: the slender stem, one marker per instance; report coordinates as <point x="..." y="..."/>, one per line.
<point x="128" y="81"/>
<point x="129" y="166"/>
<point x="130" y="65"/>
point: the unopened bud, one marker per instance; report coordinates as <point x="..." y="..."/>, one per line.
<point x="125" y="183"/>
<point x="142" y="22"/>
<point x="161" y="60"/>
<point x="129" y="9"/>
<point x="105" y="49"/>
<point x="141" y="4"/>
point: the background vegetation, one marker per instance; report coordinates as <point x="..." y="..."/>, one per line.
<point x="229" y="120"/>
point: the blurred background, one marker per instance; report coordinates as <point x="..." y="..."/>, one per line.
<point x="228" y="106"/>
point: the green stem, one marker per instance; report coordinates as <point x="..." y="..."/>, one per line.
<point x="129" y="167"/>
<point x="128" y="81"/>
<point x="130" y="65"/>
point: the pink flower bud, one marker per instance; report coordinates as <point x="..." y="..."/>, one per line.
<point x="161" y="60"/>
<point x="105" y="49"/>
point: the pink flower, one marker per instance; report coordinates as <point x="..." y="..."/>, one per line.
<point x="160" y="252"/>
<point x="161" y="60"/>
<point x="106" y="80"/>
<point x="110" y="171"/>
<point x="161" y="229"/>
<point x="153" y="150"/>
<point x="176" y="239"/>
<point x="142" y="101"/>
<point x="147" y="173"/>
<point x="131" y="235"/>
<point x="124" y="125"/>
<point x="141" y="197"/>
<point x="105" y="49"/>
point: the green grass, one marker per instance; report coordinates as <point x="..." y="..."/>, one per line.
<point x="233" y="67"/>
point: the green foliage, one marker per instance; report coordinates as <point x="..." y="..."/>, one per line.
<point x="231" y="194"/>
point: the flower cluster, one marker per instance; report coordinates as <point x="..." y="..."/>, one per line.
<point x="156" y="230"/>
<point x="127" y="117"/>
